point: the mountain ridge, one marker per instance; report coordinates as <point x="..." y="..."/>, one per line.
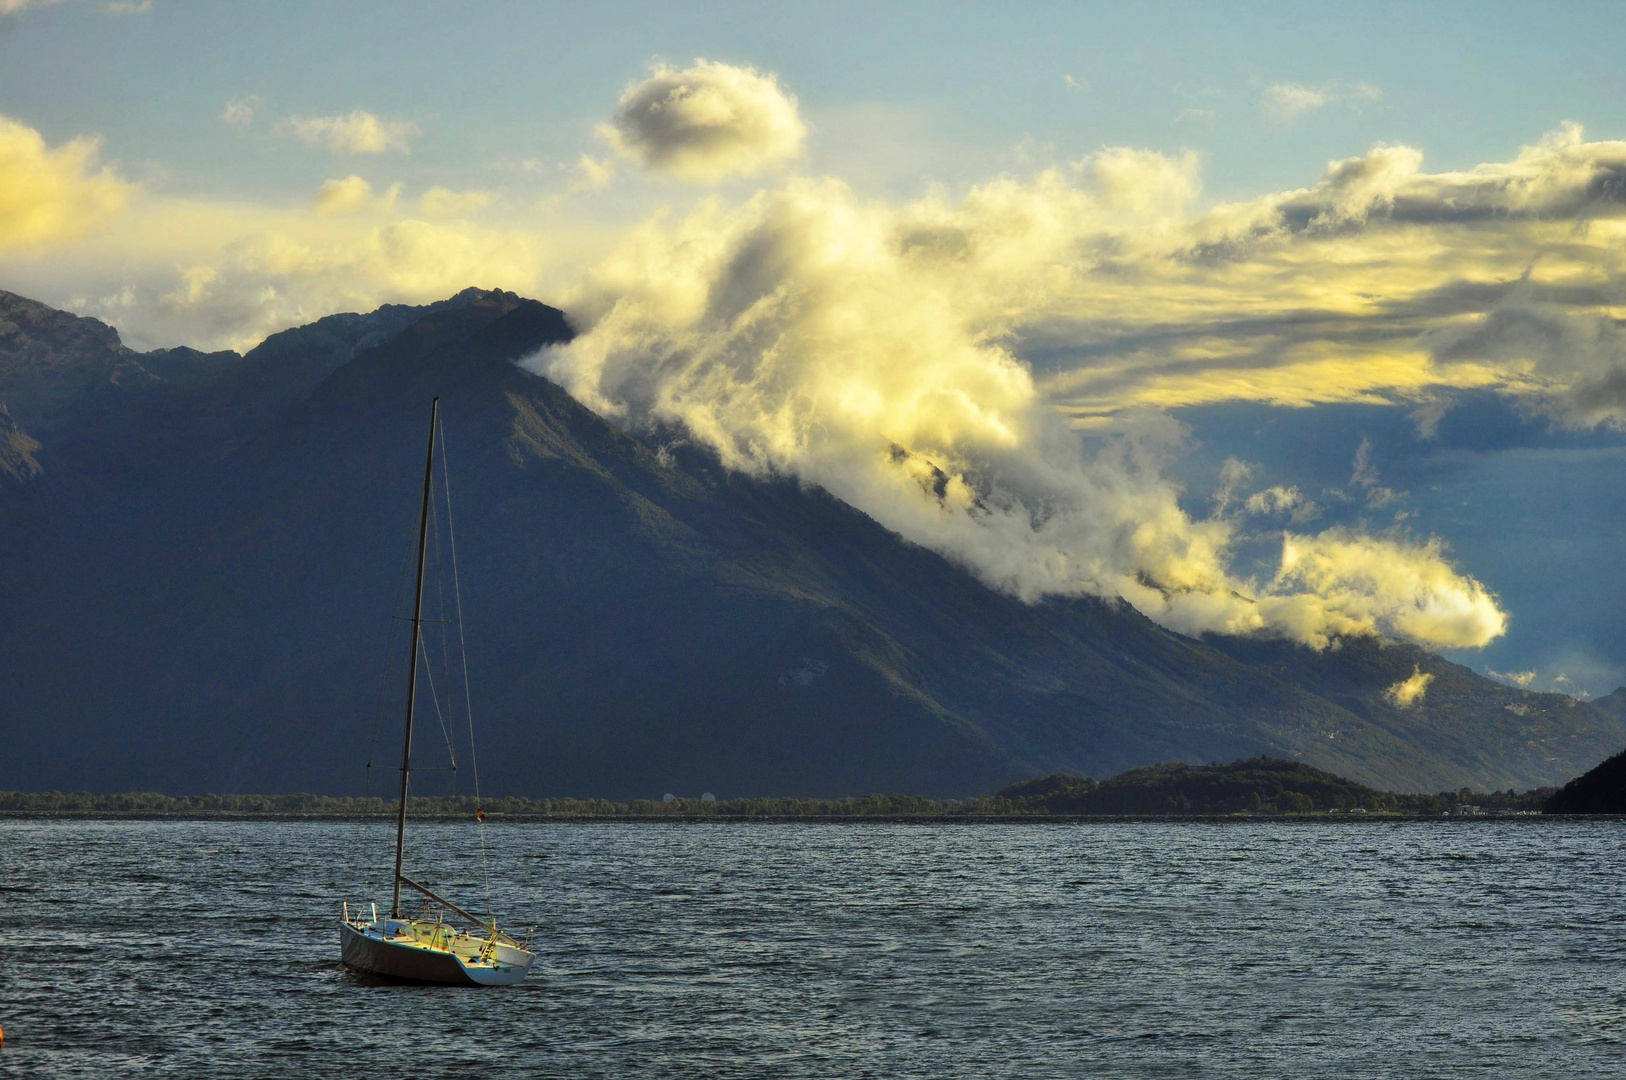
<point x="644" y="617"/>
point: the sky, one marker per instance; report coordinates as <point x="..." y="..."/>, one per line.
<point x="1300" y="320"/>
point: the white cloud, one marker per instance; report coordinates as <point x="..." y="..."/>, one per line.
<point x="1365" y="473"/>
<point x="239" y="112"/>
<point x="1287" y="101"/>
<point x="707" y="122"/>
<point x="50" y="194"/>
<point x="1232" y="475"/>
<point x="1516" y="678"/>
<point x="113" y="7"/>
<point x="358" y="133"/>
<point x="1275" y="500"/>
<point x="1409" y="691"/>
<point x="1080" y="85"/>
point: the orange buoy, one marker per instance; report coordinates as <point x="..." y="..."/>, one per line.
<point x="2" y="1036"/>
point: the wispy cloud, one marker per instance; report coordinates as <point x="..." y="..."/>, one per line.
<point x="112" y="7"/>
<point x="239" y="112"/>
<point x="1081" y="86"/>
<point x="444" y="202"/>
<point x="359" y="132"/>
<point x="1287" y="101"/>
<point x="592" y="174"/>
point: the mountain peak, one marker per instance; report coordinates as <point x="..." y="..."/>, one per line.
<point x="28" y="326"/>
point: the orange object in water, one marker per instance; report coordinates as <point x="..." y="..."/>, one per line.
<point x="479" y="815"/>
<point x="2" y="1036"/>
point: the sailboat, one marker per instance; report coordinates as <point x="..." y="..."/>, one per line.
<point x="427" y="948"/>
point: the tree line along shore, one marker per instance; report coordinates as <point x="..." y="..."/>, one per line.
<point x="1268" y="787"/>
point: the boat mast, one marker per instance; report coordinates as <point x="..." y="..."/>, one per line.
<point x="412" y="677"/>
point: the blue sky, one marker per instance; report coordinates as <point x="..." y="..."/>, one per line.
<point x="1142" y="279"/>
<point x="1466" y="82"/>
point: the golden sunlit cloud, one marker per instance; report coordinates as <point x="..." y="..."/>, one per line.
<point x="48" y="195"/>
<point x="868" y="348"/>
<point x="287" y="273"/>
<point x="221" y="275"/>
<point x="353" y="195"/>
<point x="1407" y="692"/>
<point x="923" y="359"/>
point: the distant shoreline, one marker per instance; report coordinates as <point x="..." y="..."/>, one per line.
<point x="810" y="819"/>
<point x="1245" y="790"/>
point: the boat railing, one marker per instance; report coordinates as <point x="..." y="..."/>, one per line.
<point x="357" y="921"/>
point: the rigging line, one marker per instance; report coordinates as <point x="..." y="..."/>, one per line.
<point x="430" y="673"/>
<point x="445" y="660"/>
<point x="463" y="649"/>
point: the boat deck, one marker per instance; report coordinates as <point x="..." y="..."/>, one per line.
<point x="420" y="950"/>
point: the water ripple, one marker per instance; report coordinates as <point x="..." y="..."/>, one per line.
<point x="200" y="949"/>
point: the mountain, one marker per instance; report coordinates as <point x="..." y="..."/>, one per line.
<point x="1600" y="790"/>
<point x="205" y="555"/>
<point x="97" y="440"/>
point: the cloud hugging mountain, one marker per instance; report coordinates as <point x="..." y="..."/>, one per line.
<point x="204" y="553"/>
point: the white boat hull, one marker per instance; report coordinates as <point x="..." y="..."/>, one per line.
<point x="430" y="953"/>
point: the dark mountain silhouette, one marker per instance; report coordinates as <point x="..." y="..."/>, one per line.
<point x="203" y="559"/>
<point x="1600" y="790"/>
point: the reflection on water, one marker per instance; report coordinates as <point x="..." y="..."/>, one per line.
<point x="198" y="949"/>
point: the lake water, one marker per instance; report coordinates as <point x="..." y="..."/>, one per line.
<point x="1112" y="949"/>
